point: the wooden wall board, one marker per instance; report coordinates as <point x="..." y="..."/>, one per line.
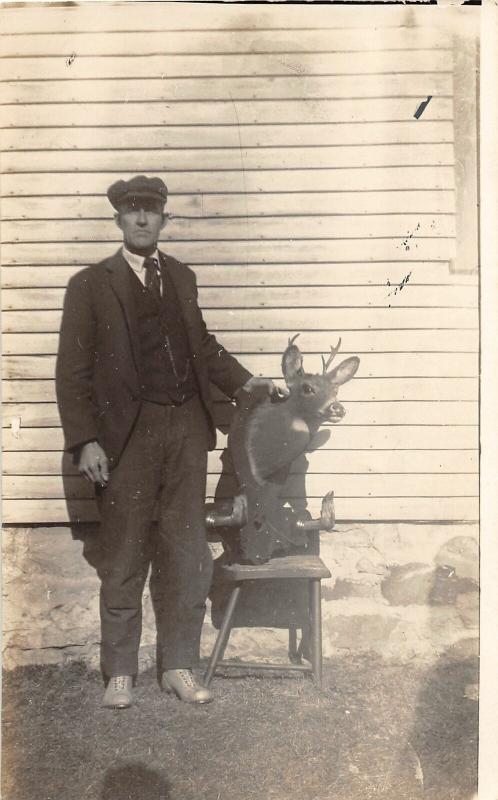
<point x="304" y="193"/>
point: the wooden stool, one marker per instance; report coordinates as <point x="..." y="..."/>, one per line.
<point x="299" y="567"/>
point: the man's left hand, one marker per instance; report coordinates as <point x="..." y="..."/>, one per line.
<point x="257" y="383"/>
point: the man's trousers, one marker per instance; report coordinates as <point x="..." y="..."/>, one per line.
<point x="161" y="472"/>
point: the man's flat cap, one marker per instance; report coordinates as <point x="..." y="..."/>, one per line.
<point x="139" y="186"/>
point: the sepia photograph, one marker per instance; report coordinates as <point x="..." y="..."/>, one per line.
<point x="240" y="248"/>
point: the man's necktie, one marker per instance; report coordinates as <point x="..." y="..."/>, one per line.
<point x="152" y="279"/>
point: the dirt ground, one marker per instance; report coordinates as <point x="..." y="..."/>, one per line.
<point x="374" y="731"/>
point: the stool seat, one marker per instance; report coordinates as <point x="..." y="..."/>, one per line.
<point x="298" y="566"/>
<point x="294" y="566"/>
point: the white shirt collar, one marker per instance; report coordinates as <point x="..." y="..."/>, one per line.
<point x="135" y="261"/>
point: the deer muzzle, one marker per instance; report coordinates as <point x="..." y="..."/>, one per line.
<point x="333" y="412"/>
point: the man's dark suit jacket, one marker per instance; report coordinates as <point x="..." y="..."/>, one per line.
<point x="98" y="364"/>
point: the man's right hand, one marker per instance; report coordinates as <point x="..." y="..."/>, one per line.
<point x="93" y="463"/>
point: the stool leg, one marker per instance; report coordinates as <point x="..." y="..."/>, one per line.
<point x="223" y="635"/>
<point x="294" y="655"/>
<point x="304" y="649"/>
<point x="316" y="629"/>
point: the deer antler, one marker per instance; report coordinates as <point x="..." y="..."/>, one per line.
<point x="333" y="352"/>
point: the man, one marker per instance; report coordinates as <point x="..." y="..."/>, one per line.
<point x="133" y="371"/>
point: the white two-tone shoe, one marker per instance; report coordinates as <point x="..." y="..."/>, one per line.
<point x="118" y="692"/>
<point x="182" y="683"/>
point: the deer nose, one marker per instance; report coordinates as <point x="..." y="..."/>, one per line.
<point x="338" y="409"/>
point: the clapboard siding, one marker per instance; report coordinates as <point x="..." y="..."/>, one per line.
<point x="298" y="319"/>
<point x="389" y="178"/>
<point x="299" y="134"/>
<point x="373" y="365"/>
<point x="360" y="342"/>
<point x="385" y="274"/>
<point x="221" y="42"/>
<point x="46" y="486"/>
<point x="344" y="436"/>
<point x="236" y="18"/>
<point x="229" y="251"/>
<point x="349" y="462"/>
<point x="283" y="297"/>
<point x="379" y="389"/>
<point x="303" y="192"/>
<point x="369" y="509"/>
<point x="240" y="88"/>
<point x="374" y="226"/>
<point x="35" y="415"/>
<point x="234" y="65"/>
<point x="231" y="158"/>
<point x="225" y="112"/>
<point x="419" y="202"/>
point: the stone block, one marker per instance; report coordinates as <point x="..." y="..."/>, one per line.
<point x="425" y="633"/>
<point x="444" y="625"/>
<point x="409" y="640"/>
<point x="372" y="568"/>
<point x="15" y="544"/>
<point x="340" y="560"/>
<point x="12" y="657"/>
<point x="351" y="588"/>
<point x="147" y="656"/>
<point x="32" y="639"/>
<point x="402" y="543"/>
<point x="423" y="584"/>
<point x="50" y="607"/>
<point x="463" y="649"/>
<point x="461" y="553"/>
<point x="386" y="538"/>
<point x="448" y="585"/>
<point x="349" y="562"/>
<point x="467" y="605"/>
<point x="408" y="584"/>
<point x="75" y="616"/>
<point x="348" y="536"/>
<point x="362" y="632"/>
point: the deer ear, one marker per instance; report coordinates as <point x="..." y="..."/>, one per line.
<point x="344" y="371"/>
<point x="292" y="362"/>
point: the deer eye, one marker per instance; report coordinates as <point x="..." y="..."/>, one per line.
<point x="307" y="389"/>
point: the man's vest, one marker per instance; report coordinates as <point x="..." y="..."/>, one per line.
<point x="166" y="374"/>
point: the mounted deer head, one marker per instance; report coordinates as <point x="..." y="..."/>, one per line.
<point x="266" y="437"/>
<point x="313" y="396"/>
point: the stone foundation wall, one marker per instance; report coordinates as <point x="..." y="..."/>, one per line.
<point x="401" y="591"/>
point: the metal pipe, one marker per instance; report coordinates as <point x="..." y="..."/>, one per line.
<point x="216" y="520"/>
<point x="309" y="524"/>
<point x="227" y="514"/>
<point x="265" y="666"/>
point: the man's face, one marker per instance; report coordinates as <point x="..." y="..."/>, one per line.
<point x="141" y="219"/>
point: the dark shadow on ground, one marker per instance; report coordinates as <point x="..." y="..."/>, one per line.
<point x="262" y="738"/>
<point x="445" y="731"/>
<point x="134" y="781"/>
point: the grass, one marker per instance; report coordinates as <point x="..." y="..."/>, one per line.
<point x="374" y="731"/>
